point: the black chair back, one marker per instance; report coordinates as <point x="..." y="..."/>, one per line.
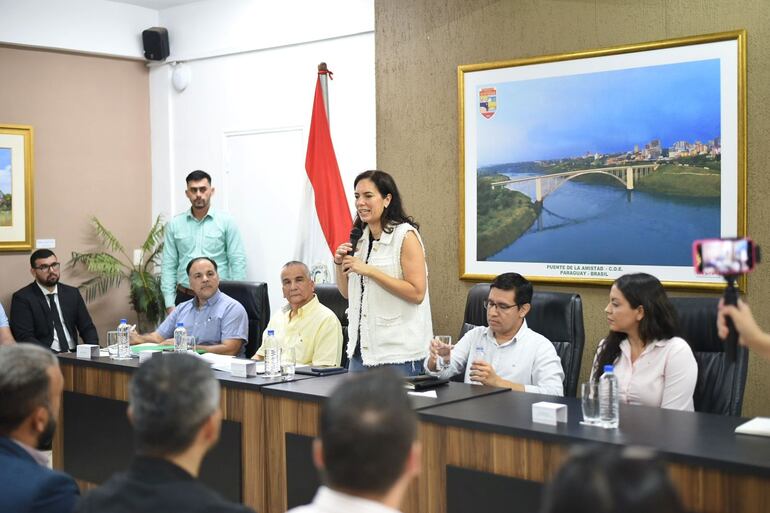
<point x="720" y="382"/>
<point x="253" y="296"/>
<point x="330" y="297"/>
<point x="557" y="316"/>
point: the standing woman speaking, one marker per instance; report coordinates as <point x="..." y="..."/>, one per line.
<point x="385" y="281"/>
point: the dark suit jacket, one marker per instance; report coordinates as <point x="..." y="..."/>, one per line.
<point x="30" y="316"/>
<point x="27" y="487"/>
<point x="155" y="485"/>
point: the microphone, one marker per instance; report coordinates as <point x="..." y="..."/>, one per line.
<point x="355" y="235"/>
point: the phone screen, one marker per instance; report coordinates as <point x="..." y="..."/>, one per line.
<point x="723" y="256"/>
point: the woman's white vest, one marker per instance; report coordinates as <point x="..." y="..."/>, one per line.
<point x="392" y="330"/>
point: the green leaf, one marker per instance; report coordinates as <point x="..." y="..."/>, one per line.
<point x="106" y="236"/>
<point x="96" y="287"/>
<point x="155" y="236"/>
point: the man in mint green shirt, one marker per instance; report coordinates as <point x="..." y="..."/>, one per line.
<point x="200" y="231"/>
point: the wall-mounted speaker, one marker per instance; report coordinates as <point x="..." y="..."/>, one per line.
<point x="155" y="41"/>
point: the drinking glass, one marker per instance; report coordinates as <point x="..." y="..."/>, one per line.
<point x="589" y="393"/>
<point x="112" y="343"/>
<point x="444" y="350"/>
<point x="288" y="362"/>
<point x="188" y="342"/>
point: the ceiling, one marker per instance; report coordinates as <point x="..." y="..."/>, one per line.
<point x="158" y="5"/>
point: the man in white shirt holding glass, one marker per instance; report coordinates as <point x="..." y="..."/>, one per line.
<point x="507" y="353"/>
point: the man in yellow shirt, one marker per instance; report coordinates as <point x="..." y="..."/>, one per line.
<point x="314" y="328"/>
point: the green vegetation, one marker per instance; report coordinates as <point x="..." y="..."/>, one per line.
<point x="111" y="265"/>
<point x="503" y="216"/>
<point x="681" y="180"/>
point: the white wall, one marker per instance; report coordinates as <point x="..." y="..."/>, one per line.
<point x="220" y="27"/>
<point x="90" y="26"/>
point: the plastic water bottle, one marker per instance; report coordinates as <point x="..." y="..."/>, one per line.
<point x="609" y="398"/>
<point x="124" y="343"/>
<point x="180" y="344"/>
<point x="272" y="356"/>
<point x="479" y="354"/>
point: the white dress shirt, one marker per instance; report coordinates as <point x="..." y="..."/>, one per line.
<point x="42" y="458"/>
<point x="55" y="344"/>
<point x="528" y="359"/>
<point x="327" y="500"/>
<point x="664" y="375"/>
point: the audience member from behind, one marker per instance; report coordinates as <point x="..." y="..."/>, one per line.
<point x="6" y="337"/>
<point x="30" y="394"/>
<point x="174" y="410"/>
<point x="314" y="328"/>
<point x="749" y="332"/>
<point x="514" y="356"/>
<point x="50" y="313"/>
<point x="654" y="367"/>
<point x="611" y="480"/>
<point x="367" y="452"/>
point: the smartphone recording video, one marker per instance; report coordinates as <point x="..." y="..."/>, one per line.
<point x="724" y="257"/>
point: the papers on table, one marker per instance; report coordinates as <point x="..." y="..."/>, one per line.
<point x="759" y="426"/>
<point x="430" y="393"/>
<point x="220" y="362"/>
<point x="145" y="345"/>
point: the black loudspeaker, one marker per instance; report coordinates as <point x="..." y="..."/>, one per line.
<point x="155" y="41"/>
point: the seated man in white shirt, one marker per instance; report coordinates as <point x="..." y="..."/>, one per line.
<point x="367" y="452"/>
<point x="507" y="353"/>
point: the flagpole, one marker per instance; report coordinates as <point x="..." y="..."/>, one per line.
<point x="323" y="74"/>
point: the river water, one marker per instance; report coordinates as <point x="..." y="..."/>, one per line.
<point x="584" y="223"/>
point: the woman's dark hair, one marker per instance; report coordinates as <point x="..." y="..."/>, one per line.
<point x="611" y="480"/>
<point x="394" y="214"/>
<point x="659" y="321"/>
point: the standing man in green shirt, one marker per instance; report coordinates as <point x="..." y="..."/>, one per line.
<point x="200" y="231"/>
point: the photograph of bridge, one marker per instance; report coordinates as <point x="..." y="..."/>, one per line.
<point x="589" y="171"/>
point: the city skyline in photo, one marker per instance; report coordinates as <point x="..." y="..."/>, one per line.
<point x="606" y="112"/>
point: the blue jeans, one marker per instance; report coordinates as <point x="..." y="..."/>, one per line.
<point x="414" y="368"/>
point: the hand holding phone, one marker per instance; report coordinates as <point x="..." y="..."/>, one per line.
<point x="724" y="257"/>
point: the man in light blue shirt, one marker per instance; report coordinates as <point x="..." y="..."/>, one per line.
<point x="218" y="322"/>
<point x="200" y="231"/>
<point x="6" y="337"/>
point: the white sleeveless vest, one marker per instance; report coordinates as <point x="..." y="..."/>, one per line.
<point x="392" y="330"/>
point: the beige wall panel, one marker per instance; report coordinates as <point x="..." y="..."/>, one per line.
<point x="418" y="48"/>
<point x="91" y="156"/>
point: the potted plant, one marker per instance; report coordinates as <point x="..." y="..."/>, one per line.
<point x="111" y="265"/>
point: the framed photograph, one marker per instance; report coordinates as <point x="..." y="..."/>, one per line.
<point x="16" y="195"/>
<point x="582" y="167"/>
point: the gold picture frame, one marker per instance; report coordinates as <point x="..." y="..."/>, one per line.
<point x="16" y="175"/>
<point x="618" y="132"/>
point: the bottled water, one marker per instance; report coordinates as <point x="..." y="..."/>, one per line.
<point x="479" y="354"/>
<point x="124" y="344"/>
<point x="609" y="398"/>
<point x="180" y="343"/>
<point x="272" y="356"/>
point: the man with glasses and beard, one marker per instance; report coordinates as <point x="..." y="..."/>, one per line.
<point x="506" y="354"/>
<point x="50" y="313"/>
<point x="30" y="393"/>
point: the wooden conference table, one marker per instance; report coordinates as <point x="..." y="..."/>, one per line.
<point x="480" y="447"/>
